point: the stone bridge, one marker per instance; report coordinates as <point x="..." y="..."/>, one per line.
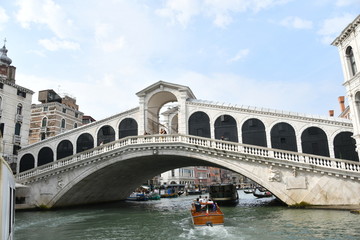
<point x="259" y="143"/>
<point x="111" y="171"/>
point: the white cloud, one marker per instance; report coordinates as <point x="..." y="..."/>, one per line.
<point x="182" y="11"/>
<point x="240" y="55"/>
<point x="56" y="44"/>
<point x="44" y="12"/>
<point x="3" y="17"/>
<point x="105" y="38"/>
<point x="296" y="22"/>
<point x="332" y="27"/>
<point x="343" y="3"/>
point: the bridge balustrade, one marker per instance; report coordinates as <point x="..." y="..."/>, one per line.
<point x="227" y="147"/>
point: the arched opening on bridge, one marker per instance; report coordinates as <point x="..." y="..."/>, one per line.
<point x="84" y="142"/>
<point x="314" y="141"/>
<point x="199" y="125"/>
<point x="226" y="128"/>
<point x="27" y="162"/>
<point x="106" y="134"/>
<point x="64" y="149"/>
<point x="253" y="132"/>
<point x="283" y="137"/>
<point x="344" y="146"/>
<point x="45" y="156"/>
<point x="169" y="117"/>
<point x="154" y="105"/>
<point x="128" y="127"/>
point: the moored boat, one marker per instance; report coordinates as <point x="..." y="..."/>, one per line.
<point x="169" y="195"/>
<point x="224" y="194"/>
<point x="248" y="191"/>
<point x="135" y="196"/>
<point x="206" y="214"/>
<point x="260" y="194"/>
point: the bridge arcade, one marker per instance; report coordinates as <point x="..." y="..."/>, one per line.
<point x="326" y="136"/>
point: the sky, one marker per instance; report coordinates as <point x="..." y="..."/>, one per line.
<point x="273" y="54"/>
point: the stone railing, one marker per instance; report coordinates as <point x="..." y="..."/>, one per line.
<point x="206" y="143"/>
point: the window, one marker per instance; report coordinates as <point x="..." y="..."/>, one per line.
<point x="19" y="109"/>
<point x="0" y="101"/>
<point x="63" y="124"/>
<point x="64" y="110"/>
<point x="21" y="93"/>
<point x="1" y="86"/>
<point x="351" y="61"/>
<point x="76" y="115"/>
<point x="17" y="129"/>
<point x="44" y="122"/>
<point x="46" y="108"/>
<point x="43" y="136"/>
<point x="75" y="125"/>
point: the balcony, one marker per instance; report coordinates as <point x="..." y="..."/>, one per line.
<point x="17" y="139"/>
<point x="43" y="129"/>
<point x="19" y="118"/>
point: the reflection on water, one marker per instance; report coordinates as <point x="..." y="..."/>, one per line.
<point x="252" y="219"/>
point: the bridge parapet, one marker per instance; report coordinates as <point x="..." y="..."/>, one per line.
<point x="235" y="151"/>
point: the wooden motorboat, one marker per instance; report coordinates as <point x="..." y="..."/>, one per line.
<point x="206" y="214"/>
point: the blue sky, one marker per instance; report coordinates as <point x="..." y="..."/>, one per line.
<point x="265" y="53"/>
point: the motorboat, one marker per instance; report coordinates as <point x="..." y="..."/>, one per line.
<point x="136" y="196"/>
<point x="262" y="194"/>
<point x="206" y="214"/>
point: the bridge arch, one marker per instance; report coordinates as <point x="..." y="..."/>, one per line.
<point x="84" y="142"/>
<point x="225" y="127"/>
<point x="199" y="124"/>
<point x="315" y="141"/>
<point x="27" y="162"/>
<point x="96" y="183"/>
<point x="254" y="132"/>
<point x="64" y="149"/>
<point x="46" y="155"/>
<point x="128" y="127"/>
<point x="105" y="134"/>
<point x="344" y="146"/>
<point x="283" y="137"/>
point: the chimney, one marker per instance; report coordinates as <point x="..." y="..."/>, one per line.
<point x="331" y="113"/>
<point x="342" y="103"/>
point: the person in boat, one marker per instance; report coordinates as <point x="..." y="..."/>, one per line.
<point x="213" y="207"/>
<point x="197" y="205"/>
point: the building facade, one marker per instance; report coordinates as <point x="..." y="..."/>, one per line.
<point x="53" y="116"/>
<point x="15" y="105"/>
<point x="178" y="176"/>
<point x="348" y="44"/>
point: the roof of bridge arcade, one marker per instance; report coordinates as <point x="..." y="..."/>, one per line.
<point x="162" y="84"/>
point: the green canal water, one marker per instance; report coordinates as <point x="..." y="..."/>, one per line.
<point x="251" y="219"/>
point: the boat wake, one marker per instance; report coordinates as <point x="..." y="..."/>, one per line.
<point x="208" y="232"/>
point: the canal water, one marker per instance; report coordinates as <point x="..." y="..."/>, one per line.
<point x="252" y="219"/>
